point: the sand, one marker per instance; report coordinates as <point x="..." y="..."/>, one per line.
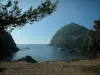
<point x="81" y="67"/>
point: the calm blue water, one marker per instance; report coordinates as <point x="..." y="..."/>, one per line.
<point x="44" y="52"/>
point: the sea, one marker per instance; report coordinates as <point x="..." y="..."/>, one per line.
<point x="45" y="52"/>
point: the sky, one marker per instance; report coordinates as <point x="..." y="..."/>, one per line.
<point x="82" y="12"/>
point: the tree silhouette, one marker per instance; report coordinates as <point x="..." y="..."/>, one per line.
<point x="94" y="40"/>
<point x="11" y="15"/>
<point x="97" y="24"/>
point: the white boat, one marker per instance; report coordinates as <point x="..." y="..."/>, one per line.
<point x="60" y="49"/>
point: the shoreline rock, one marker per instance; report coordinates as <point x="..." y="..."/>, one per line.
<point x="7" y="46"/>
<point x="27" y="59"/>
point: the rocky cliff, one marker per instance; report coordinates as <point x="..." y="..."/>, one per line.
<point x="7" y="46"/>
<point x="70" y="36"/>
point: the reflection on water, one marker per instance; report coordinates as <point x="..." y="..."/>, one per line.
<point x="43" y="52"/>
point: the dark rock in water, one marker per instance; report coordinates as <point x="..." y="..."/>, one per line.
<point x="7" y="46"/>
<point x="28" y="59"/>
<point x="26" y="48"/>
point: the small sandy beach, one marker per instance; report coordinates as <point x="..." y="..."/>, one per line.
<point x="81" y="67"/>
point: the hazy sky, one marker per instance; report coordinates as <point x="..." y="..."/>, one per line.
<point x="82" y="12"/>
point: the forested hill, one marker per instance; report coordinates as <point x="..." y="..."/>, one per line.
<point x="69" y="36"/>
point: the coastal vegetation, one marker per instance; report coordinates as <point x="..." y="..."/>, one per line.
<point x="71" y="36"/>
<point x="79" y="38"/>
<point x="94" y="40"/>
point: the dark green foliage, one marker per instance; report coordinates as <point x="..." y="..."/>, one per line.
<point x="71" y="36"/>
<point x="97" y="24"/>
<point x="11" y="15"/>
<point x="94" y="40"/>
<point x="78" y="37"/>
